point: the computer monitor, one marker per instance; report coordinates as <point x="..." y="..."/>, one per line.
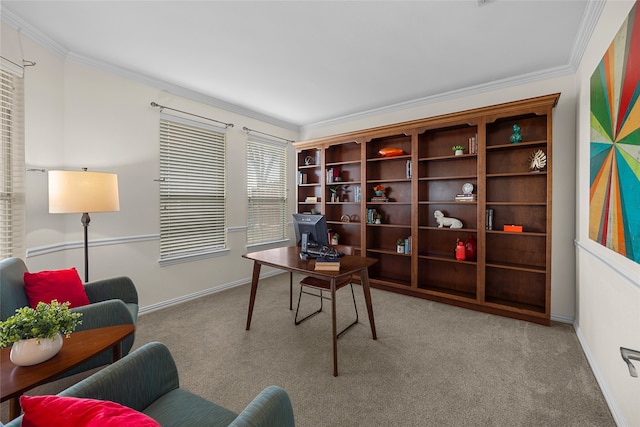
<point x="312" y="234"/>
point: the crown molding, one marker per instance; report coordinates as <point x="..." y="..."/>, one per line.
<point x="589" y="21"/>
<point x="587" y="26"/>
<point x="24" y="28"/>
<point x="445" y="96"/>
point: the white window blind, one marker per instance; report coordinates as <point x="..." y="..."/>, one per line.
<point x="192" y="190"/>
<point x="12" y="182"/>
<point x="267" y="191"/>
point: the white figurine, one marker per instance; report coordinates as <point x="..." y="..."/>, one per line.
<point x="446" y="221"/>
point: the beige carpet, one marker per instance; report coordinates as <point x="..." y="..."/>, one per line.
<point x="432" y="365"/>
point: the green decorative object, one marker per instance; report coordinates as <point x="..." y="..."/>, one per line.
<point x="516" y="137"/>
<point x="46" y="321"/>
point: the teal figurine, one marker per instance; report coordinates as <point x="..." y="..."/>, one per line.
<point x="516" y="136"/>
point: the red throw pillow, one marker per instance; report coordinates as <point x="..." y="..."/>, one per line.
<point x="59" y="411"/>
<point x="62" y="285"/>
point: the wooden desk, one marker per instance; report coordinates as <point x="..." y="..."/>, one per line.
<point x="78" y="348"/>
<point x="289" y="259"/>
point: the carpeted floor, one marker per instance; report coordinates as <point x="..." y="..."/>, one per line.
<point x="432" y="365"/>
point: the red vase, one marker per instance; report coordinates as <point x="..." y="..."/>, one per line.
<point x="460" y="252"/>
<point x="471" y="248"/>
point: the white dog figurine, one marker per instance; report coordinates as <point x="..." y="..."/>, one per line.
<point x="446" y="221"/>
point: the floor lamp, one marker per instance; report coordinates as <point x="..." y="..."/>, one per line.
<point x="83" y="192"/>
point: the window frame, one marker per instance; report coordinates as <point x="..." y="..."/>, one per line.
<point x="12" y="160"/>
<point x="257" y="146"/>
<point x="191" y="155"/>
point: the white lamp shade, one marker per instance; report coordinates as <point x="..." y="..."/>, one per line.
<point x="82" y="191"/>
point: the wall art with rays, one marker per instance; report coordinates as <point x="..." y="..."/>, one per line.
<point x="614" y="201"/>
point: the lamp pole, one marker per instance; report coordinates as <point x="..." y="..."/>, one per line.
<point x="85" y="224"/>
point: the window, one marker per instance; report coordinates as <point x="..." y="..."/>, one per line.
<point x="12" y="182"/>
<point x="267" y="190"/>
<point x="192" y="190"/>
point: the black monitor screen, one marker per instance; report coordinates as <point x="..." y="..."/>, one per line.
<point x="315" y="226"/>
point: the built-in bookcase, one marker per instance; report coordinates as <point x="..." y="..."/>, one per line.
<point x="511" y="274"/>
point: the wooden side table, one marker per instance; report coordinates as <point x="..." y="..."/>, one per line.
<point x="78" y="348"/>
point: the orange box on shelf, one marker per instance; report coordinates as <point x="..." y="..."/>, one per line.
<point x="513" y="228"/>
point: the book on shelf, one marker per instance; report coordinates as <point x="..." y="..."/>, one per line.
<point x="473" y="144"/>
<point x="466" y="197"/>
<point x="489" y="219"/>
<point x="379" y="199"/>
<point x="357" y="194"/>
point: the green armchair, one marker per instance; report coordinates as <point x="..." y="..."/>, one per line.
<point x="147" y="381"/>
<point x="113" y="302"/>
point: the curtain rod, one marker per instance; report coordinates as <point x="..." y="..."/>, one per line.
<point x="162" y="107"/>
<point x="246" y="129"/>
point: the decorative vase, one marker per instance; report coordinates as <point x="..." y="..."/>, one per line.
<point x="379" y="193"/>
<point x="400" y="248"/>
<point x="460" y="252"/>
<point x="471" y="248"/>
<point x="516" y="137"/>
<point x="334" y="241"/>
<point x="35" y="350"/>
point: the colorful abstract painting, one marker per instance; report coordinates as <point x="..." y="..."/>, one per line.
<point x="614" y="215"/>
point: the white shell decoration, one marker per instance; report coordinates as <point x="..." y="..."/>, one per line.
<point x="537" y="161"/>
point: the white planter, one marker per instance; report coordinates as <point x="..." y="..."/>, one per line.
<point x="31" y="352"/>
<point x="459" y="152"/>
<point x="400" y="249"/>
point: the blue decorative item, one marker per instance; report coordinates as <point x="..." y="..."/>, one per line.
<point x="516" y="137"/>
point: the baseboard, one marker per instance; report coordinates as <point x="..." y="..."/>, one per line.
<point x="195" y="295"/>
<point x="617" y="414"/>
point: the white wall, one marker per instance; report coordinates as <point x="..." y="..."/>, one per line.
<point x="78" y="116"/>
<point x="563" y="223"/>
<point x="608" y="284"/>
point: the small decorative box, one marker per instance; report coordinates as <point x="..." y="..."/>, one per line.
<point x="513" y="228"/>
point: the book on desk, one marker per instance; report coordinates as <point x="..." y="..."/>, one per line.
<point x="327" y="264"/>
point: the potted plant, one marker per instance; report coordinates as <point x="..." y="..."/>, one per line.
<point x="379" y="190"/>
<point x="334" y="193"/>
<point x="36" y="334"/>
<point x="335" y="237"/>
<point x="458" y="150"/>
<point x="400" y="246"/>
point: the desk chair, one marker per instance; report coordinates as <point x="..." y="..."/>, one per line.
<point x="325" y="285"/>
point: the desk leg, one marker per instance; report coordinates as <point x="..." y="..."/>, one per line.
<point x="14" y="408"/>
<point x="254" y="288"/>
<point x="364" y="275"/>
<point x="291" y="290"/>
<point x="334" y="329"/>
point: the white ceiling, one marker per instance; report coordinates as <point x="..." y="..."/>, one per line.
<point x="305" y="62"/>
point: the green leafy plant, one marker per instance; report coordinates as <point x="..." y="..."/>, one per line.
<point x="45" y="321"/>
<point x="400" y="242"/>
<point x="457" y="147"/>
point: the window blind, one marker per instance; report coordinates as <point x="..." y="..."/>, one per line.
<point x="192" y="189"/>
<point x="267" y="191"/>
<point x="12" y="179"/>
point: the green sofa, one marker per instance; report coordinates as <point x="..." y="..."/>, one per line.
<point x="147" y="380"/>
<point x="113" y="302"/>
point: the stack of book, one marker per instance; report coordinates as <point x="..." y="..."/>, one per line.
<point x="327" y="264"/>
<point x="466" y="197"/>
<point x="379" y="199"/>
